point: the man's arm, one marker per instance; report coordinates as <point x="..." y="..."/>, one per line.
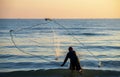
<point x="66" y="58"/>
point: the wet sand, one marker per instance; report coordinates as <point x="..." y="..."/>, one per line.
<point x="61" y="73"/>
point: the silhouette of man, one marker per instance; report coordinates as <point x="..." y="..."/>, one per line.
<point x="74" y="61"/>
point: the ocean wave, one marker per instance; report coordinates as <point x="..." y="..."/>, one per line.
<point x="111" y="64"/>
<point x="26" y="46"/>
<point x="3" y="56"/>
<point x="87" y="34"/>
<point x="104" y="64"/>
<point x="19" y="65"/>
<point x="103" y="47"/>
<point x="52" y="64"/>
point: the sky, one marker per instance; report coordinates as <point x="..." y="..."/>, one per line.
<point x="59" y="8"/>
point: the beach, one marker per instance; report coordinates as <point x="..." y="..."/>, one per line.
<point x="61" y="73"/>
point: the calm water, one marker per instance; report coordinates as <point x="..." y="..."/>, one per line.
<point x="39" y="42"/>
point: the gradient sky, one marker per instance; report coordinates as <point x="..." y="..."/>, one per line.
<point x="59" y="8"/>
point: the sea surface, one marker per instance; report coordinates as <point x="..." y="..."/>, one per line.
<point x="32" y="44"/>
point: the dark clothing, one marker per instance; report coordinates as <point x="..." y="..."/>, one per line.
<point x="74" y="61"/>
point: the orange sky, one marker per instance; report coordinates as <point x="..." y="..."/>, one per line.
<point x="59" y="8"/>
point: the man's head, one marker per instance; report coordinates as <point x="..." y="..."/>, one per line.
<point x="70" y="49"/>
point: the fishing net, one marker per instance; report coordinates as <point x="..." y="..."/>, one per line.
<point x="45" y="39"/>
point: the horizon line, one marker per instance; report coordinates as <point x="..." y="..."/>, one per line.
<point x="60" y="18"/>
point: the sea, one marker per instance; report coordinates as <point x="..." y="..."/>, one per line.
<point x="33" y="44"/>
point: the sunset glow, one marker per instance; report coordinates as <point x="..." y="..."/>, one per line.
<point x="59" y="8"/>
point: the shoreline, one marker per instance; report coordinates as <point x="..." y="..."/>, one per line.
<point x="61" y="73"/>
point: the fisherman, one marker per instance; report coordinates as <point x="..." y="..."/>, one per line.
<point x="74" y="61"/>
